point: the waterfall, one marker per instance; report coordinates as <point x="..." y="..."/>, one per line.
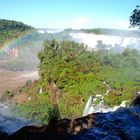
<point x="88" y="105"/>
<point x="91" y="40"/>
<point x="108" y="88"/>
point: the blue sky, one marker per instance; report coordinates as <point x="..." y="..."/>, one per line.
<point x="70" y="13"/>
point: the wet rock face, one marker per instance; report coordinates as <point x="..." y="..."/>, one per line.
<point x="3" y="135"/>
<point x="60" y="130"/>
<point x="118" y="125"/>
<point x="123" y="124"/>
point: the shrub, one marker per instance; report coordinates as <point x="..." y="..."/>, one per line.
<point x="8" y="93"/>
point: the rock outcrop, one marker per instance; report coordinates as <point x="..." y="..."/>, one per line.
<point x="123" y="124"/>
<point x="59" y="130"/>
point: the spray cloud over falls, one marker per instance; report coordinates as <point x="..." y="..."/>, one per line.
<point x="21" y="54"/>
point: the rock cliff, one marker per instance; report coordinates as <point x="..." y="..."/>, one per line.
<point x="121" y="124"/>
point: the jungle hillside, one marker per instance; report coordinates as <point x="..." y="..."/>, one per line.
<point x="10" y="29"/>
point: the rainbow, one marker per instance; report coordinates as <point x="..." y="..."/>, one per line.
<point x="11" y="47"/>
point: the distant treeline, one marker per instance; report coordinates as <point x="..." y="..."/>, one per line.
<point x="10" y="29"/>
<point x="116" y="32"/>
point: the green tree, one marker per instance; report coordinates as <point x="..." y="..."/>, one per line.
<point x="135" y="17"/>
<point x="10" y="29"/>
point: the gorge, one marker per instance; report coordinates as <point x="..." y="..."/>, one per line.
<point x="16" y="70"/>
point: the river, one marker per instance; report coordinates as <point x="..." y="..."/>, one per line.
<point x="10" y="80"/>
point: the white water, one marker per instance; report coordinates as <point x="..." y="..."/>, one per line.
<point x="91" y="39"/>
<point x="42" y="31"/>
<point x="91" y="107"/>
<point x="10" y="121"/>
<point x="88" y="105"/>
<point x="108" y="88"/>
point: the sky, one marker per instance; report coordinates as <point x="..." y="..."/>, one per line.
<point x="74" y="14"/>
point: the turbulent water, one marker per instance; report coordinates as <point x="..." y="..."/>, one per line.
<point x="10" y="121"/>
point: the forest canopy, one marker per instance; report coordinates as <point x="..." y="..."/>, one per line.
<point x="10" y="29"/>
<point x="135" y="17"/>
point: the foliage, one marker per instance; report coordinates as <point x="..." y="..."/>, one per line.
<point x="65" y="62"/>
<point x="95" y="31"/>
<point x="38" y="108"/>
<point x="53" y="114"/>
<point x="8" y="93"/>
<point x="79" y="73"/>
<point x="10" y="29"/>
<point x="135" y="17"/>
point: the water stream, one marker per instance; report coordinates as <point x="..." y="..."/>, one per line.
<point x="10" y="121"/>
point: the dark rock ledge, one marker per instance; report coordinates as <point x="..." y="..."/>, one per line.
<point x="123" y="124"/>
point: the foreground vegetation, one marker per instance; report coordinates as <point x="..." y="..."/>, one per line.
<point x="69" y="74"/>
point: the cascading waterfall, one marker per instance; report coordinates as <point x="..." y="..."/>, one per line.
<point x="99" y="107"/>
<point x="112" y="41"/>
<point x="88" y="105"/>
